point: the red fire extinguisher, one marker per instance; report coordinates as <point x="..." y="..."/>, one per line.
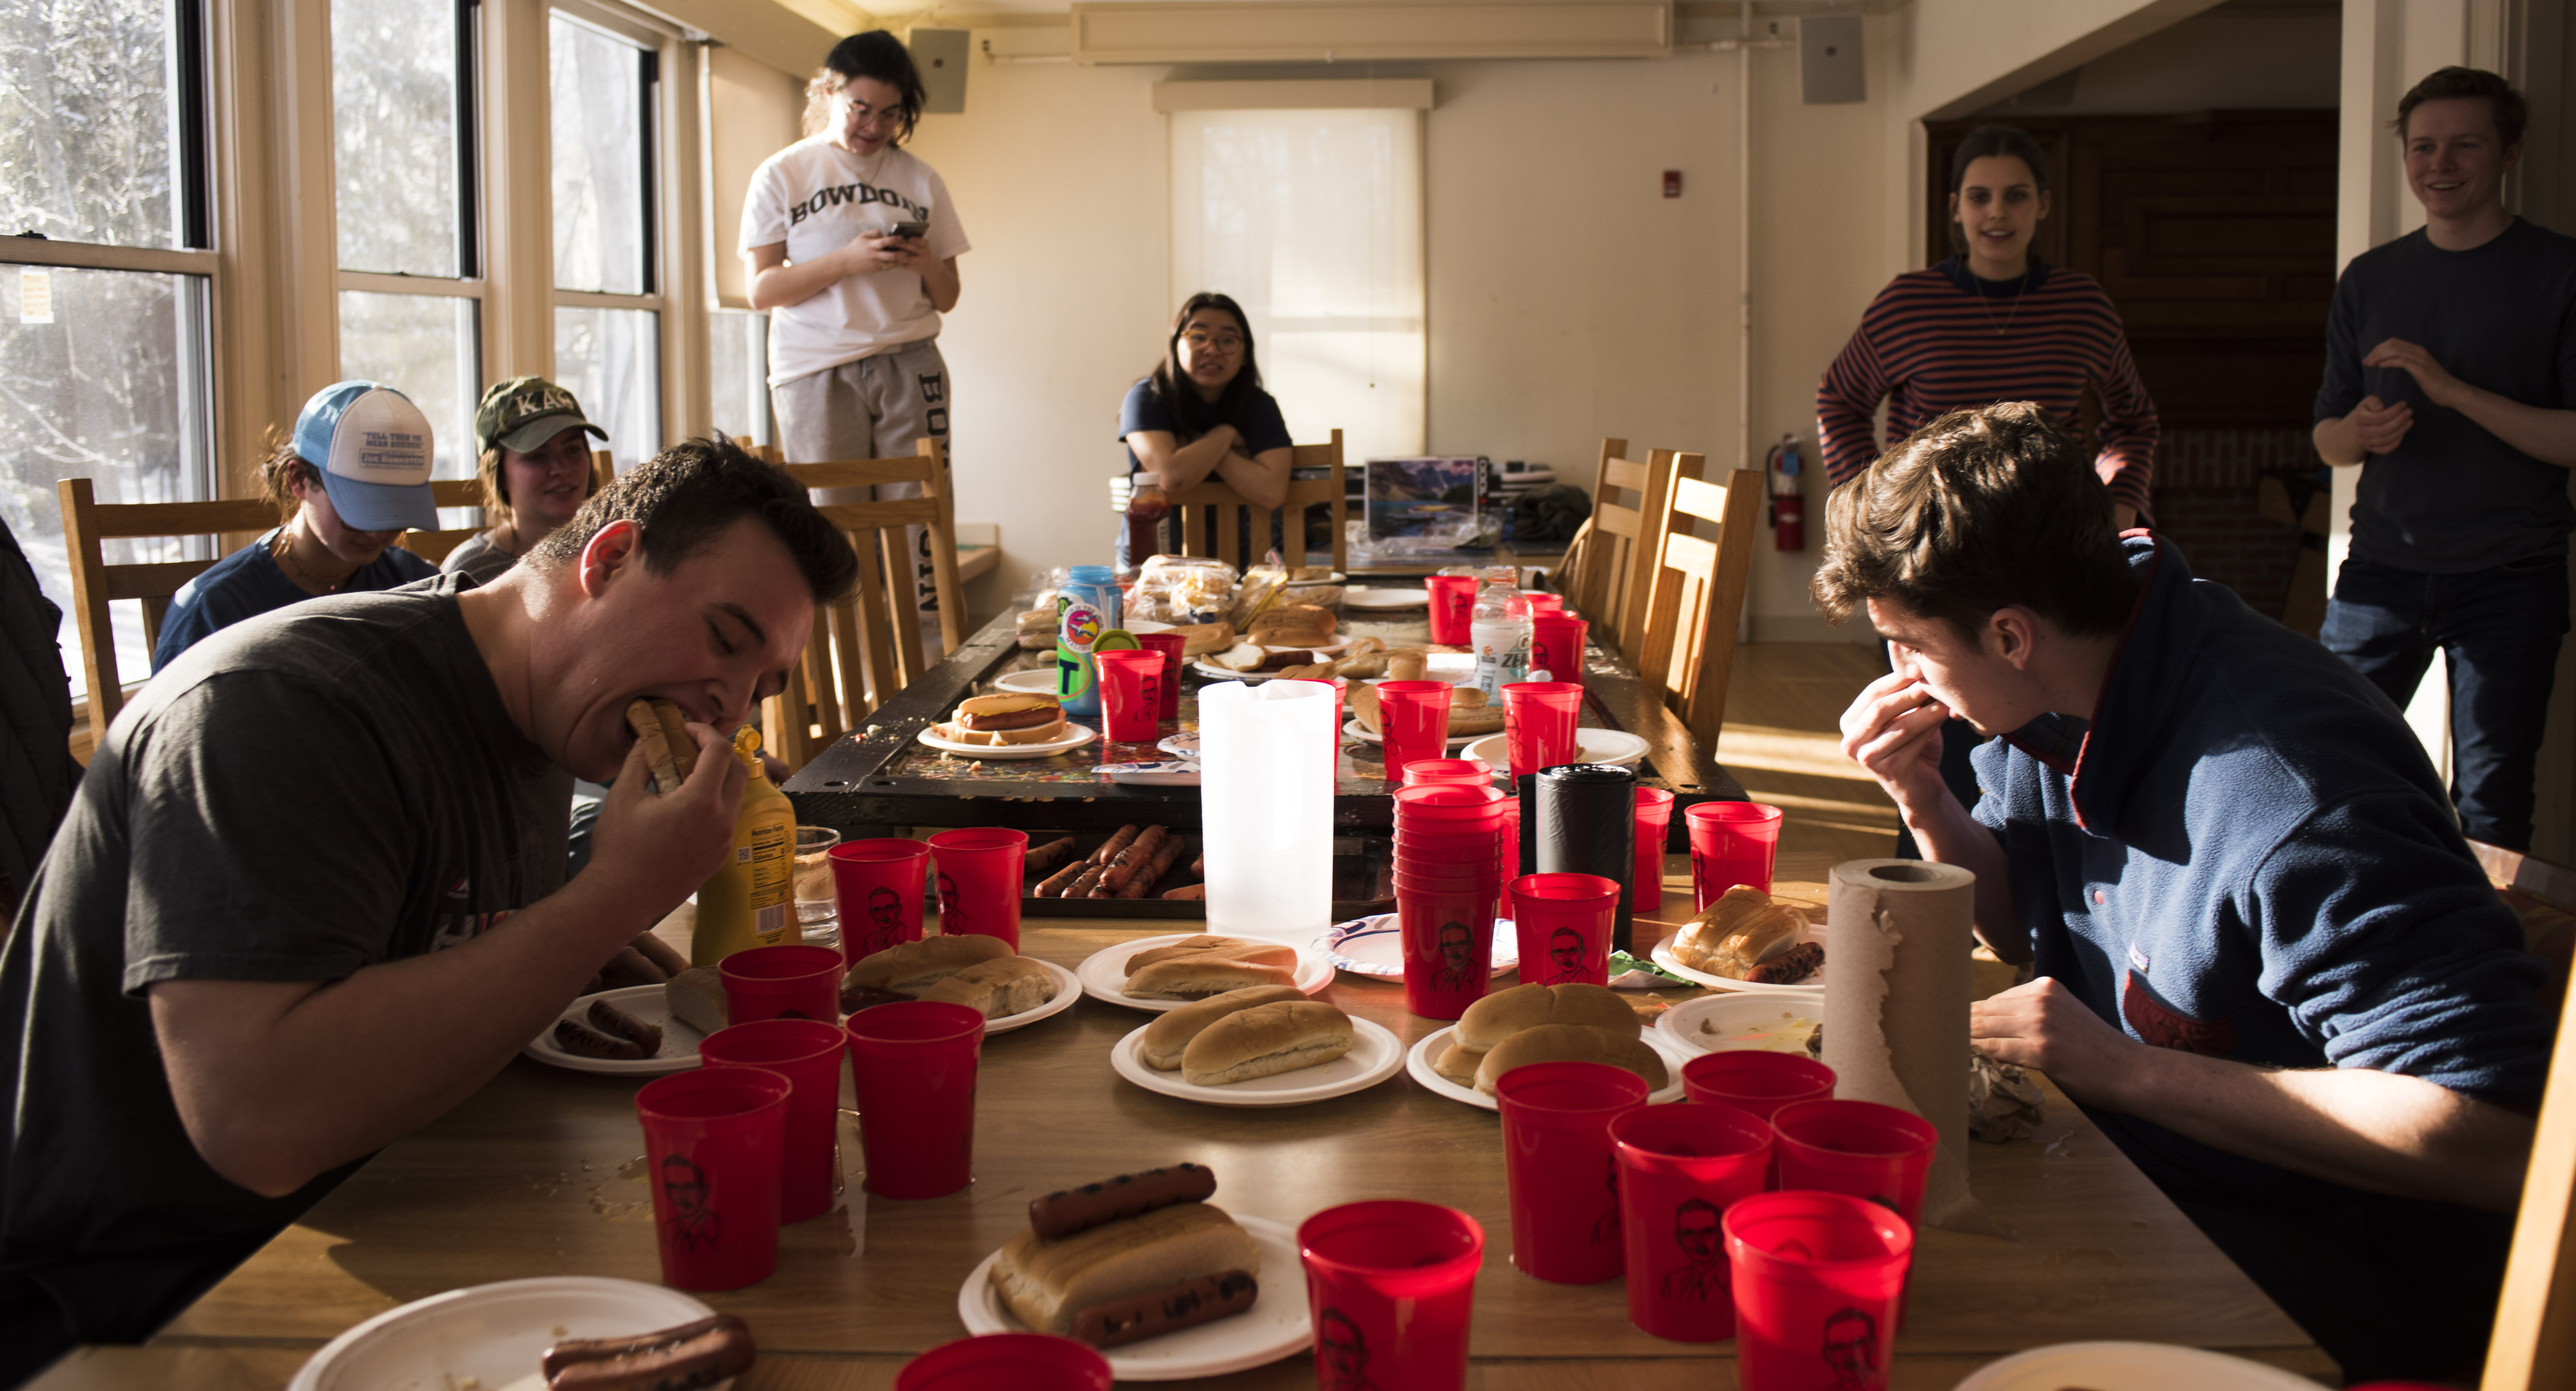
<point x="1788" y="504"/>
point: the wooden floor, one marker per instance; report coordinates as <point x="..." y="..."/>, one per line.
<point x="1783" y="739"/>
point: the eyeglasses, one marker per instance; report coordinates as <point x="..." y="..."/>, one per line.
<point x="866" y="116"/>
<point x="1203" y="340"/>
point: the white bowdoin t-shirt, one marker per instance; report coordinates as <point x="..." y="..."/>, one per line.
<point x="817" y="197"/>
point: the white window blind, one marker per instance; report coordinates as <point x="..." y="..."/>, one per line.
<point x="1312" y="221"/>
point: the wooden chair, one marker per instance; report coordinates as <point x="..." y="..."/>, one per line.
<point x="1698" y="594"/>
<point x="867" y="647"/>
<point x="88" y="525"/>
<point x="2534" y="1342"/>
<point x="1608" y="577"/>
<point x="434" y="546"/>
<point x="1234" y="515"/>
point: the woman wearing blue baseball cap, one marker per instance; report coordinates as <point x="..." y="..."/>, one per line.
<point x="353" y="476"/>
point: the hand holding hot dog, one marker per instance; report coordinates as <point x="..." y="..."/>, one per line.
<point x="662" y="845"/>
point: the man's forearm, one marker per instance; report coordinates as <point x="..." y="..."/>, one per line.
<point x="278" y="1083"/>
<point x="2365" y="1129"/>
<point x="2338" y="442"/>
<point x="2546" y="435"/>
<point x="1948" y="835"/>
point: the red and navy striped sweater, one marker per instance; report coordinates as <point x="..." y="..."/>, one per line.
<point x="1929" y="344"/>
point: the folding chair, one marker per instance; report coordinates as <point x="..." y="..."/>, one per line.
<point x="1698" y="594"/>
<point x="1221" y="534"/>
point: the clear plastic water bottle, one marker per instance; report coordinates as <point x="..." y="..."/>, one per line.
<point x="1500" y="637"/>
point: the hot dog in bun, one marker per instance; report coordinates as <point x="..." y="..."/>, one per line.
<point x="1009" y="717"/>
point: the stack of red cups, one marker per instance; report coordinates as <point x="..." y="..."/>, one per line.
<point x="1449" y="872"/>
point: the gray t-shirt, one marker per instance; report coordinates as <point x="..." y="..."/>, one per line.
<point x="477" y="556"/>
<point x="304" y="794"/>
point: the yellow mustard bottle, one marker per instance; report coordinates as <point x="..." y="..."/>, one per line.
<point x="751" y="902"/>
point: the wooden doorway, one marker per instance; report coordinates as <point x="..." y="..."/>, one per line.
<point x="2214" y="234"/>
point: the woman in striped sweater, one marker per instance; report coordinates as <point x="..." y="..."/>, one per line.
<point x="1993" y="323"/>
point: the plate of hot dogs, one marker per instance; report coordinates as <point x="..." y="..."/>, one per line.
<point x="1167" y="972"/>
<point x="1166" y="1284"/>
<point x="1267" y="1045"/>
<point x="528" y="1335"/>
<point x="1544" y="1024"/>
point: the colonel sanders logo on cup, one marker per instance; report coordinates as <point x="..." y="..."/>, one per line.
<point x="684" y="1185"/>
<point x="951" y="921"/>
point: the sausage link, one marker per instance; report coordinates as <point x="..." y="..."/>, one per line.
<point x="700" y="1360"/>
<point x="1059" y="1215"/>
<point x="1054" y="884"/>
<point x="1046" y="857"/>
<point x="1156" y="1312"/>
<point x="1081" y="887"/>
<point x="1136" y="854"/>
<point x="1165" y="856"/>
<point x="1125" y="836"/>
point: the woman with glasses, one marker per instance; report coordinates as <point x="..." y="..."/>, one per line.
<point x="1202" y="414"/>
<point x="852" y="246"/>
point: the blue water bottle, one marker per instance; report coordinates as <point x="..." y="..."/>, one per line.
<point x="1085" y="607"/>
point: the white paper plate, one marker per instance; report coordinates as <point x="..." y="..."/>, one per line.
<point x="1386" y="598"/>
<point x="1375" y="1056"/>
<point x="1180" y="745"/>
<point x="1812" y="985"/>
<point x="1616" y="747"/>
<point x="1366" y="735"/>
<point x="1324" y="649"/>
<point x="2130" y="1367"/>
<point x="1418" y="1062"/>
<point x="494" y="1334"/>
<point x="1104" y="972"/>
<point x="1276" y="1325"/>
<point x="1079" y="736"/>
<point x="1067" y="990"/>
<point x="1183" y="772"/>
<point x="1337" y="577"/>
<point x="1142" y="626"/>
<point x="1249" y="678"/>
<point x="1375" y="947"/>
<point x="1039" y="681"/>
<point x="1726" y="1023"/>
<point x="648" y="1004"/>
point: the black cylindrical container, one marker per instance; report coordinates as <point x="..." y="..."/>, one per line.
<point x="1586" y="814"/>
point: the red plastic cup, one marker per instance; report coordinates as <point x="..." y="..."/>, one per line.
<point x="1731" y="843"/>
<point x="1446" y="801"/>
<point x="1680" y="1168"/>
<point x="1563" y="922"/>
<point x="1531" y="605"/>
<point x="807" y="1052"/>
<point x="1007" y="1362"/>
<point x="1564" y="1183"/>
<point x="879" y="885"/>
<point x="913" y="1067"/>
<point x="1175" y="650"/>
<point x="788" y="981"/>
<point x="1453" y="604"/>
<point x="1816" y="1278"/>
<point x="1131" y="694"/>
<point x="1756" y="1080"/>
<point x="1433" y="772"/>
<point x="1392" y="1285"/>
<point x="1539" y="720"/>
<point x="1512" y="836"/>
<point x="1448" y="940"/>
<point x="1333" y="764"/>
<point x="1654" y="817"/>
<point x="711" y="1144"/>
<point x="1556" y="646"/>
<point x="979" y="881"/>
<point x="1857" y="1147"/>
<point x="1413" y="721"/>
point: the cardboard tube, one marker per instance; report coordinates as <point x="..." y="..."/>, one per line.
<point x="1898" y="933"/>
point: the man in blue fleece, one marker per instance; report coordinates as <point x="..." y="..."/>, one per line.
<point x="2265" y="963"/>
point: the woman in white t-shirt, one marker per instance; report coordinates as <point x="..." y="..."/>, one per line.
<point x="852" y="249"/>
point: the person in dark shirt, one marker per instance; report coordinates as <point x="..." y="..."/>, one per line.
<point x="353" y="476"/>
<point x="2266" y="963"/>
<point x="1201" y="414"/>
<point x="2451" y="381"/>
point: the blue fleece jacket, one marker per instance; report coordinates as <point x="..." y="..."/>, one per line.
<point x="2246" y="854"/>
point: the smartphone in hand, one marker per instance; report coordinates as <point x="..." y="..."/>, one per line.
<point x="907" y="229"/>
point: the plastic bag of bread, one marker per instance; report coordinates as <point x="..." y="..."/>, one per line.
<point x="1182" y="590"/>
<point x="1259" y="588"/>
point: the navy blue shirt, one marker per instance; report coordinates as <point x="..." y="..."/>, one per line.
<point x="1256" y="417"/>
<point x="2246" y="854"/>
<point x="249" y="582"/>
<point x="2452" y="497"/>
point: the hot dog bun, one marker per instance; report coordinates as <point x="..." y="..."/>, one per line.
<point x="1197" y="977"/>
<point x="1045" y="1282"/>
<point x="1172" y="1030"/>
<point x="1225" y="948"/>
<point x="1264" y="1040"/>
<point x="913" y="967"/>
<point x="1579" y="1043"/>
<point x="1007" y="717"/>
<point x="696" y="997"/>
<point x="1004" y="985"/>
<point x="1506" y="1012"/>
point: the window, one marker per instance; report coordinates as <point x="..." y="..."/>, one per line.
<point x="402" y="84"/>
<point x="608" y="305"/>
<point x="738" y="373"/>
<point x="103" y="313"/>
<point x="1312" y="221"/>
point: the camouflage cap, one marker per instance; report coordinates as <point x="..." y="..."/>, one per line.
<point x="525" y="412"/>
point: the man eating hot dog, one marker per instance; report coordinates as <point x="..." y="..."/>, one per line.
<point x="311" y="894"/>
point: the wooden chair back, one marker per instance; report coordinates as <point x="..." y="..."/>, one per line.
<point x="1221" y="534"/>
<point x="434" y="546"/>
<point x="1609" y="571"/>
<point x="868" y="646"/>
<point x="1698" y="595"/>
<point x="88" y="525"/>
<point x="2534" y="1342"/>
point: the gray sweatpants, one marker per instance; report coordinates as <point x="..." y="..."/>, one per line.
<point x="874" y="408"/>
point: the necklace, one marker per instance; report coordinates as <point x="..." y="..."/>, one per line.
<point x="1982" y="303"/>
<point x="283" y="550"/>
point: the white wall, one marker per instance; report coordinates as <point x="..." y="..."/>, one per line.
<point x="2227" y="59"/>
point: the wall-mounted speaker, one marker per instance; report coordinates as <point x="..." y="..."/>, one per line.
<point x="940" y="54"/>
<point x="1829" y="63"/>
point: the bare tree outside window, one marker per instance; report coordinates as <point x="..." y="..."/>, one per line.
<point x="393" y="106"/>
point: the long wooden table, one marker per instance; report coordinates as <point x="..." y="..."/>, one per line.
<point x="536" y="1175"/>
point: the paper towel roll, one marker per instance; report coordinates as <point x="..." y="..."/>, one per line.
<point x="1898" y="933"/>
